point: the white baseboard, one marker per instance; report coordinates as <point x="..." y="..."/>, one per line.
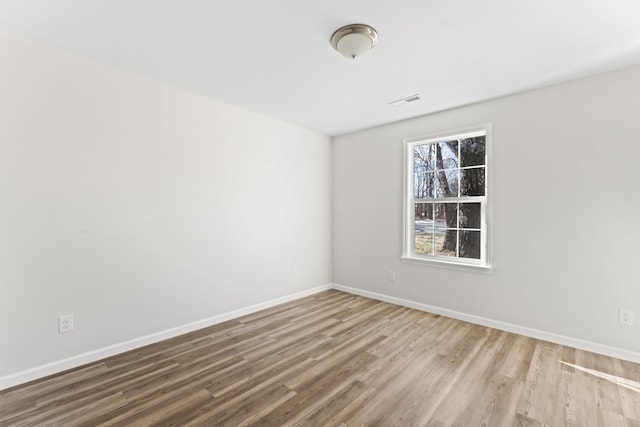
<point x="593" y="347"/>
<point x="95" y="355"/>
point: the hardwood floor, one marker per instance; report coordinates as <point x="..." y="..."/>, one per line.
<point x="335" y="359"/>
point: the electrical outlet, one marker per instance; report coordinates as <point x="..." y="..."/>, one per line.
<point x="65" y="323"/>
<point x="391" y="275"/>
<point x="626" y="316"/>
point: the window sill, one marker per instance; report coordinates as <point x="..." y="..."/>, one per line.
<point x="448" y="264"/>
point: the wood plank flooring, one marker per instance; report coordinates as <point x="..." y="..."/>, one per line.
<point x="335" y="359"/>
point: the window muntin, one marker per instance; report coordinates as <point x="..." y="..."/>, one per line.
<point x="446" y="198"/>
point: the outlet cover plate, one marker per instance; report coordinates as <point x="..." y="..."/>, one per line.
<point x="65" y="323"/>
<point x="626" y="316"/>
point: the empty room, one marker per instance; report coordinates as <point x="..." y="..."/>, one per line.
<point x="319" y="213"/>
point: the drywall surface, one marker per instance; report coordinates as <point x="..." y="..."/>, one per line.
<point x="139" y="208"/>
<point x="565" y="200"/>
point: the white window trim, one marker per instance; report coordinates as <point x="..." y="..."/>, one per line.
<point x="408" y="211"/>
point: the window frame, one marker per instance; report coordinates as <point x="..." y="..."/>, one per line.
<point x="408" y="243"/>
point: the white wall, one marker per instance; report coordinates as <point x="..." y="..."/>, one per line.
<point x="138" y="207"/>
<point x="566" y="206"/>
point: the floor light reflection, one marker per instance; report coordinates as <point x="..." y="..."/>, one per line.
<point x="622" y="382"/>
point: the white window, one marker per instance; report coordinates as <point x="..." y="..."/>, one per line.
<point x="446" y="190"/>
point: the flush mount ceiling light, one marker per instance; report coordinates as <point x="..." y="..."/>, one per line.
<point x="354" y="40"/>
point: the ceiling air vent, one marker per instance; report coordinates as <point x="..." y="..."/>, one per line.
<point x="406" y="100"/>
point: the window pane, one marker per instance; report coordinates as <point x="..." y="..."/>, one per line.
<point x="445" y="242"/>
<point x="423" y="244"/>
<point x="472" y="182"/>
<point x="424" y="158"/>
<point x="447" y="155"/>
<point x="446" y="184"/>
<point x="472" y="151"/>
<point x="423" y="228"/>
<point x="446" y="215"/>
<point x="470" y="215"/>
<point x="424" y="185"/>
<point x="423" y="216"/>
<point x="470" y="244"/>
